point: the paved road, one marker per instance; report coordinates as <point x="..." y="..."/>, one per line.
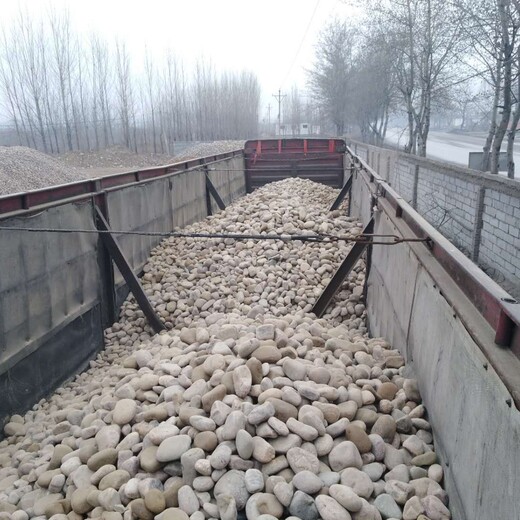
<point x="452" y="147"/>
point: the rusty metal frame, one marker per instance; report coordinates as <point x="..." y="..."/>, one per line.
<point x="342" y="194"/>
<point x="342" y="272"/>
<point x="132" y="281"/>
<point x="211" y="190"/>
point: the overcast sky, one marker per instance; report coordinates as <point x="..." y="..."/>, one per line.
<point x="274" y="38"/>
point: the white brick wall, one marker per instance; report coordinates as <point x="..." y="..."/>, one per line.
<point x="448" y="197"/>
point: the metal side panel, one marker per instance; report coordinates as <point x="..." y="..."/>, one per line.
<point x="360" y="199"/>
<point x="189" y="198"/>
<point x="476" y="427"/>
<point x="144" y="207"/>
<point x="270" y="160"/>
<point x="47" y="280"/>
<point x="63" y="354"/>
<point x="228" y="177"/>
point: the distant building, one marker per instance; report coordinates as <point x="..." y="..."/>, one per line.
<point x="290" y="130"/>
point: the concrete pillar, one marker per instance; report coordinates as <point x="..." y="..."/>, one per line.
<point x="414" y="187"/>
<point x="477" y="230"/>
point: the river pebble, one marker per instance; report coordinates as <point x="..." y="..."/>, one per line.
<point x="247" y="405"/>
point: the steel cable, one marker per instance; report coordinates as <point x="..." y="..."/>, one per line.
<point x="368" y="239"/>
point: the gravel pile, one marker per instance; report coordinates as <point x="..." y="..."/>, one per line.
<point x="248" y="406"/>
<point x="120" y="156"/>
<point x="25" y="169"/>
<point x="115" y="156"/>
<point x="205" y="149"/>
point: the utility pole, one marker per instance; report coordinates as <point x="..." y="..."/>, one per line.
<point x="269" y="118"/>
<point x="279" y="98"/>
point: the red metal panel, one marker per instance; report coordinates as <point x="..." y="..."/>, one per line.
<point x="269" y="160"/>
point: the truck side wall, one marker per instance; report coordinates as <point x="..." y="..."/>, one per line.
<point x="476" y="430"/>
<point x="53" y="288"/>
<point x="478" y="212"/>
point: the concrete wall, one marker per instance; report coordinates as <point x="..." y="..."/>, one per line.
<point x="416" y="307"/>
<point x="476" y="431"/>
<point x="478" y="212"/>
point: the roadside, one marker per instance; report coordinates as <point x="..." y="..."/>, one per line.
<point x="450" y="146"/>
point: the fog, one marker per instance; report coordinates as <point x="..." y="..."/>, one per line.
<point x="267" y="37"/>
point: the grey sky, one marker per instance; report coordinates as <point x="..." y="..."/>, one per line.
<point x="262" y="35"/>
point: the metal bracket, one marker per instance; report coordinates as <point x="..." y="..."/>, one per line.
<point x="210" y="187"/>
<point x="342" y="194"/>
<point x="341" y="274"/>
<point x="133" y="282"/>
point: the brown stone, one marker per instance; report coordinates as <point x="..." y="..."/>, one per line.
<point x="283" y="409"/>
<point x="199" y="373"/>
<point x="385" y="427"/>
<point x="267" y="354"/>
<point x="359" y="437"/>
<point x="369" y="417"/>
<point x="217" y="394"/>
<point x="148" y="459"/>
<point x="206" y="440"/>
<point x="139" y="510"/>
<point x="227" y="381"/>
<point x="330" y="411"/>
<point x="171" y="495"/>
<point x="387" y="391"/>
<point x="59" y="452"/>
<point x="186" y="412"/>
<point x="154" y="501"/>
<point x="102" y="458"/>
<point x="255" y="367"/>
<point x="394" y="362"/>
<point x="56" y="508"/>
<point x="79" y="501"/>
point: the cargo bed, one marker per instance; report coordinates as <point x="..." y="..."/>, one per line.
<point x="458" y="331"/>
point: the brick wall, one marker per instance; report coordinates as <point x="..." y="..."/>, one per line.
<point x="478" y="212"/>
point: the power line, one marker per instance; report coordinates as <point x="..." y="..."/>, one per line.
<point x="301" y="43"/>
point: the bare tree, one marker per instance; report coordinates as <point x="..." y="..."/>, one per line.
<point x="151" y="90"/>
<point x="63" y="62"/>
<point x="329" y="76"/>
<point x="426" y="38"/>
<point x="124" y="90"/>
<point x="61" y="92"/>
<point x="374" y="89"/>
<point x="101" y="81"/>
<point x="493" y="32"/>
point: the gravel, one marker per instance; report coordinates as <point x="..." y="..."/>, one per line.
<point x="205" y="149"/>
<point x="24" y="169"/>
<point x="120" y="157"/>
<point x="247" y="406"/>
<point x="115" y="156"/>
